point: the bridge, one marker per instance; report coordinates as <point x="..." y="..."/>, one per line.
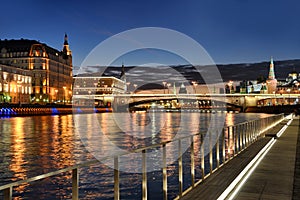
<point x="192" y="100"/>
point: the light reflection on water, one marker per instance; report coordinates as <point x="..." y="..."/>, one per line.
<point x="31" y="146"/>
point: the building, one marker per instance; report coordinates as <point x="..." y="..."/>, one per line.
<point x="182" y="89"/>
<point x="50" y="69"/>
<point x="271" y="81"/>
<point x="15" y="85"/>
<point x="93" y="88"/>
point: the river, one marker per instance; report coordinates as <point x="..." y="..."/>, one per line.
<point x="35" y="145"/>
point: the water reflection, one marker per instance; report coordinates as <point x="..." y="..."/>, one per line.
<point x="31" y="146"/>
<point x="18" y="150"/>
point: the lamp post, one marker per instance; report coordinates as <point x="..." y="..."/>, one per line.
<point x="135" y="86"/>
<point x="56" y="91"/>
<point x="127" y="87"/>
<point x="19" y="91"/>
<point x="195" y="86"/>
<point x="19" y="82"/>
<point x="168" y="85"/>
<point x="164" y="83"/>
<point x="64" y="95"/>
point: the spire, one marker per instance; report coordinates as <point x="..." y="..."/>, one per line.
<point x="271" y="72"/>
<point x="66" y="48"/>
<point x="123" y="76"/>
<point x="66" y="39"/>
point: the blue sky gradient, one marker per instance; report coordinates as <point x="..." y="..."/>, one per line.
<point x="231" y="31"/>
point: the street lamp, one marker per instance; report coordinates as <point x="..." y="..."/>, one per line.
<point x="164" y="83"/>
<point x="56" y="91"/>
<point x="64" y="97"/>
<point x="194" y="86"/>
<point x="19" y="91"/>
<point x="19" y="82"/>
<point x="135" y="86"/>
<point x="169" y="85"/>
<point x="127" y="88"/>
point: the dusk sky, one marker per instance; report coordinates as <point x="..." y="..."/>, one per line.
<point x="231" y="31"/>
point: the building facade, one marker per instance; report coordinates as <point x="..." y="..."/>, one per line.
<point x="15" y="85"/>
<point x="50" y="69"/>
<point x="96" y="89"/>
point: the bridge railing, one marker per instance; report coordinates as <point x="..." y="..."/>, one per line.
<point x="232" y="140"/>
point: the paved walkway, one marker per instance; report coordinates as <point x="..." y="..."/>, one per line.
<point x="274" y="176"/>
<point x="272" y="179"/>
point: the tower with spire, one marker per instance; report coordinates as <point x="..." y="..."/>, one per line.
<point x="271" y="81"/>
<point x="66" y="48"/>
<point x="123" y="76"/>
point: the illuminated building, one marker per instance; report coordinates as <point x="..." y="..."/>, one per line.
<point x="86" y="86"/>
<point x="182" y="89"/>
<point x="51" y="70"/>
<point x="271" y="82"/>
<point x="15" y="85"/>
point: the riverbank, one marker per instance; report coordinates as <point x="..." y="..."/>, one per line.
<point x="286" y="109"/>
<point x="49" y="110"/>
<point x="9" y="110"/>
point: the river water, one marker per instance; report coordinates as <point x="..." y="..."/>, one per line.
<point x="35" y="145"/>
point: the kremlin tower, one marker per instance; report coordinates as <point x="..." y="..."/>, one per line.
<point x="271" y="81"/>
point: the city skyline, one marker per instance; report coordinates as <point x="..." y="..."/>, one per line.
<point x="231" y="31"/>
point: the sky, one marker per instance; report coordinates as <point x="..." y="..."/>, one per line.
<point x="231" y="31"/>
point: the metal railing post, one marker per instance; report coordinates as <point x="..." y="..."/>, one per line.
<point x="237" y="149"/>
<point x="210" y="153"/>
<point x="180" y="171"/>
<point x="229" y="132"/>
<point x="192" y="162"/>
<point x="244" y="135"/>
<point x="218" y="151"/>
<point x="223" y="146"/>
<point x="236" y="143"/>
<point x="165" y="177"/>
<point x="144" y="181"/>
<point x="241" y="136"/>
<point x="75" y="184"/>
<point x="7" y="193"/>
<point x="116" y="178"/>
<point x="202" y="158"/>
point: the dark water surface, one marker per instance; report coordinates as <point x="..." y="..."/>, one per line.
<point x="35" y="145"/>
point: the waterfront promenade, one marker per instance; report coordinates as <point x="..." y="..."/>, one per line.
<point x="276" y="176"/>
